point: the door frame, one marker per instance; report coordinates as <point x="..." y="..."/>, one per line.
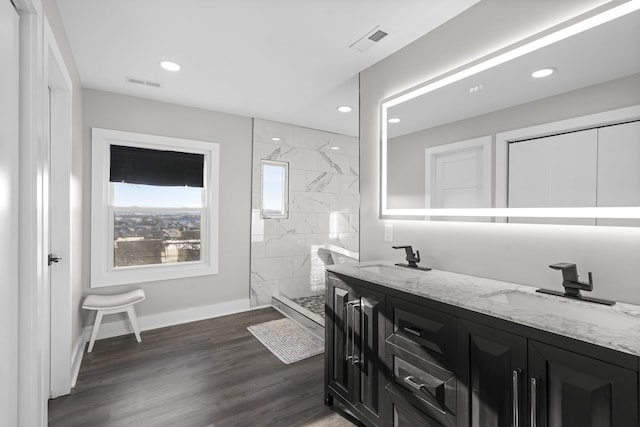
<point x="9" y="210"/>
<point x="32" y="386"/>
<point x="40" y="59"/>
<point x="60" y="133"/>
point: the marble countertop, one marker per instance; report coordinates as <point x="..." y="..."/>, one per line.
<point x="597" y="324"/>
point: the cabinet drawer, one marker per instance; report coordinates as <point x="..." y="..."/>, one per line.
<point x="423" y="385"/>
<point x="419" y="329"/>
<point x="405" y="415"/>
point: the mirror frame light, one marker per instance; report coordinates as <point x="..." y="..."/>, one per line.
<point x="500" y="57"/>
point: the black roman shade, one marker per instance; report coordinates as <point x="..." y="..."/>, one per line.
<point x="135" y="165"/>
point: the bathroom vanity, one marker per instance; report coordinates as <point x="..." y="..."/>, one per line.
<point x="433" y="348"/>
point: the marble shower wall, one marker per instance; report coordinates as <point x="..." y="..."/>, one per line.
<point x="324" y="204"/>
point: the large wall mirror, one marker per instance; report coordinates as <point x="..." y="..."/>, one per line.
<point x="493" y="142"/>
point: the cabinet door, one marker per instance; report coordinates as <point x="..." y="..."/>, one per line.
<point x="492" y="377"/>
<point x="368" y="343"/>
<point x="569" y="389"/>
<point x="338" y="338"/>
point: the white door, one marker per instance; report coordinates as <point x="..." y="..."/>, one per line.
<point x="57" y="228"/>
<point x="9" y="214"/>
<point x="458" y="181"/>
<point x="458" y="175"/>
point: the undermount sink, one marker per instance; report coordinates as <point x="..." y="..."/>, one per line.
<point x="393" y="271"/>
<point x="572" y="309"/>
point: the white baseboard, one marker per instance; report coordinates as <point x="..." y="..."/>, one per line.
<point x="161" y="320"/>
<point x="76" y="359"/>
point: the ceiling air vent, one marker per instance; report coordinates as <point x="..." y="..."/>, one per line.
<point x="377" y="36"/>
<point x="369" y="39"/>
<point x="142" y="82"/>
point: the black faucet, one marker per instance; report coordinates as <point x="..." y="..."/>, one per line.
<point x="573" y="286"/>
<point x="412" y="259"/>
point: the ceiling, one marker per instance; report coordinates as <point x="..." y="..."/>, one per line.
<point x="283" y="60"/>
<point x="583" y="60"/>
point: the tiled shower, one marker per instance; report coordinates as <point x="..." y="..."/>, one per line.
<point x="323" y="211"/>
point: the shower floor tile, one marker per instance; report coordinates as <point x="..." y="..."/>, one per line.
<point x="314" y="304"/>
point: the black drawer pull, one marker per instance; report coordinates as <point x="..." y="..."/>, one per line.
<point x="411" y="381"/>
<point x="413" y="331"/>
<point x="431" y="386"/>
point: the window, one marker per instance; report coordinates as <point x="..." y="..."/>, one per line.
<point x="274" y="189"/>
<point x="154" y="208"/>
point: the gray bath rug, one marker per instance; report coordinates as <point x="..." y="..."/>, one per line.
<point x="287" y="340"/>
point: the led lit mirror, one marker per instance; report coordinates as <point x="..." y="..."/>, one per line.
<point x="445" y="145"/>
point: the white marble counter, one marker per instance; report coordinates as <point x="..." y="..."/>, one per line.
<point x="556" y="314"/>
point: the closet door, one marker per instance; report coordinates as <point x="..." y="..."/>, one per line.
<point x="554" y="171"/>
<point x="619" y="165"/>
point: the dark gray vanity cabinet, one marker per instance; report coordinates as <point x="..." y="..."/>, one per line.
<point x="569" y="389"/>
<point x="395" y="359"/>
<point x="493" y="374"/>
<point x="354" y="338"/>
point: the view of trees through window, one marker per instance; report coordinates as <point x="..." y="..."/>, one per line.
<point x="155" y="237"/>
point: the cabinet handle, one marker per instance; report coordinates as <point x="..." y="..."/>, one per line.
<point x="348" y="355"/>
<point x="534" y="402"/>
<point x="358" y="361"/>
<point x="351" y="314"/>
<point x="515" y="376"/>
<point x="411" y="381"/>
<point x="413" y="331"/>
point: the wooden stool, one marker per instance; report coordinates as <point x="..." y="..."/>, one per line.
<point x="109" y="304"/>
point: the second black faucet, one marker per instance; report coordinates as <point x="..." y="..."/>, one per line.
<point x="412" y="259"/>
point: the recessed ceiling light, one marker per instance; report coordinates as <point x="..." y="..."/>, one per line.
<point x="394" y="120"/>
<point x="345" y="108"/>
<point x="335" y="148"/>
<point x="275" y="138"/>
<point x="543" y="72"/>
<point x="170" y="65"/>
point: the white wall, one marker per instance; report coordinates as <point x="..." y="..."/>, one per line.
<point x="120" y="112"/>
<point x="511" y="252"/>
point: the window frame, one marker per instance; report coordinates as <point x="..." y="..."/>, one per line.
<point x="285" y="190"/>
<point x="103" y="271"/>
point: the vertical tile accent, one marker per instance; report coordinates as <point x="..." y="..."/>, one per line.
<point x="324" y="204"/>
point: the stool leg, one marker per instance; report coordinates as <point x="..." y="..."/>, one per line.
<point x="134" y="322"/>
<point x="94" y="332"/>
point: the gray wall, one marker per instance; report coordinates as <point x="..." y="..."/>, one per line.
<point x="517" y="253"/>
<point x="233" y="133"/>
<point x="406" y="153"/>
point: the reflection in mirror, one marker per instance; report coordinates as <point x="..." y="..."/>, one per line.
<point x="589" y="77"/>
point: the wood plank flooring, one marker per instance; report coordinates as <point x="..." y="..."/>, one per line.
<point x="211" y="373"/>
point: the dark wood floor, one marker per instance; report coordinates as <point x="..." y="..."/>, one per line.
<point x="211" y="373"/>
